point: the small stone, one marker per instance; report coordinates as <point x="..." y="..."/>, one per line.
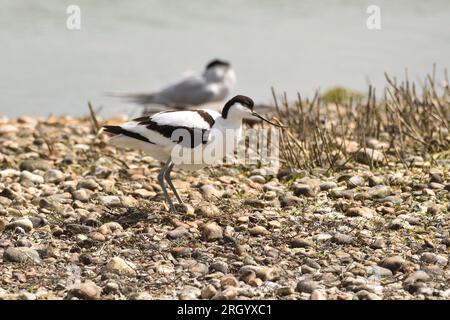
<point x="212" y="231"/>
<point x="21" y="255"/>
<point x="378" y="271"/>
<point x="144" y="295"/>
<point x="110" y="228"/>
<point x="290" y="201"/>
<point x="219" y="266"/>
<point x="303" y="190"/>
<point x="85" y="258"/>
<point x="366" y="295"/>
<point x="189" y="293"/>
<point x="360" y="212"/>
<point x="369" y="156"/>
<point x="121" y="266"/>
<point x="258" y="231"/>
<point x="208" y="292"/>
<point x="299" y="242"/>
<point x="88" y="183"/>
<point x="258" y="179"/>
<point x="318" y="295"/>
<point x="208" y="211"/>
<point x="210" y="192"/>
<point x="110" y="201"/>
<point x="28" y="176"/>
<point x="230" y="293"/>
<point x="396" y="224"/>
<point x="375" y="181"/>
<point x="285" y="291"/>
<point x="255" y="203"/>
<point x="82" y="195"/>
<point x="265" y="273"/>
<point x="355" y="181"/>
<point x="24" y="223"/>
<point x="378" y="244"/>
<point x="418" y="276"/>
<point x="35" y="164"/>
<point x="54" y="176"/>
<point x="379" y="191"/>
<point x="328" y="185"/>
<point x="144" y="193"/>
<point x="306" y="286"/>
<point x="393" y="263"/>
<point x="87" y="290"/>
<point x="229" y="281"/>
<point x="341" y="238"/>
<point x="322" y="237"/>
<point x="199" y="269"/>
<point x="3" y="224"/>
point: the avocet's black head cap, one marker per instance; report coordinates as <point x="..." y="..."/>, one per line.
<point x="216" y="63"/>
<point x="243" y="100"/>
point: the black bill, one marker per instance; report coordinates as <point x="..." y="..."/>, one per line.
<point x="268" y="121"/>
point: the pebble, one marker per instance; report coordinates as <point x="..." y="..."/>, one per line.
<point x="258" y="179"/>
<point x="417" y="276"/>
<point x="210" y="192"/>
<point x="354" y="182"/>
<point x="212" y="231"/>
<point x="33" y="164"/>
<point x="110" y="201"/>
<point x="255" y="203"/>
<point x="121" y="266"/>
<point x="341" y="238"/>
<point x="303" y="190"/>
<point x="28" y="176"/>
<point x="24" y="223"/>
<point x="265" y="273"/>
<point x="82" y="195"/>
<point x="360" y="212"/>
<point x="368" y="156"/>
<point x="53" y="176"/>
<point x="290" y="201"/>
<point x="189" y="293"/>
<point x="379" y="191"/>
<point x="21" y="255"/>
<point x="258" y="231"/>
<point x="299" y="242"/>
<point x="208" y="292"/>
<point x="285" y="291"/>
<point x="230" y="293"/>
<point x="328" y="185"/>
<point x="318" y="295"/>
<point x="375" y="181"/>
<point x="393" y="263"/>
<point x="219" y="266"/>
<point x="306" y="286"/>
<point x="87" y="290"/>
<point x="228" y="280"/>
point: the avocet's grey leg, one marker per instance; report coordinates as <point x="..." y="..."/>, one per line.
<point x="169" y="181"/>
<point x="163" y="185"/>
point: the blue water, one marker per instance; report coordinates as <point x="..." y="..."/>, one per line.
<point x="142" y="45"/>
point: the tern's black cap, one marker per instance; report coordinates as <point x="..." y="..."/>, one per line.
<point x="216" y="63"/>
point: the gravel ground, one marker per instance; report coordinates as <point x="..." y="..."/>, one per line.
<point x="82" y="220"/>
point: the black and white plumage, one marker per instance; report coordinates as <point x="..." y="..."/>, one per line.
<point x="212" y="85"/>
<point x="157" y="136"/>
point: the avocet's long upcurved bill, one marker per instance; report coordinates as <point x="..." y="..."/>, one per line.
<point x="268" y="121"/>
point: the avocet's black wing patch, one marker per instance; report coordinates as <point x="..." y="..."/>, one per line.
<point x="115" y="130"/>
